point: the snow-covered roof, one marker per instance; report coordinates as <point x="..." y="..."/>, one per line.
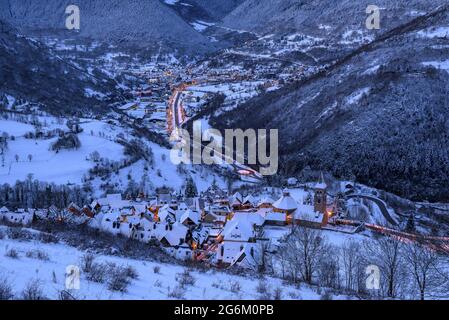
<point x="214" y="232"/>
<point x="200" y="234"/>
<point x="114" y="201"/>
<point x="266" y="200"/>
<point x="111" y="216"/>
<point x="166" y="211"/>
<point x="177" y="233"/>
<point x="307" y="213"/>
<point x="252" y="218"/>
<point x="134" y="219"/>
<point x="321" y="183"/>
<point x="286" y="202"/>
<point x="211" y="217"/>
<point x="140" y="208"/>
<point x="194" y="216"/>
<point x="276" y="216"/>
<point x="217" y="208"/>
<point x="94" y="204"/>
<point x="249" y="200"/>
<point x="4" y="210"/>
<point x="238" y="253"/>
<point x="237" y="197"/>
<point x="238" y="230"/>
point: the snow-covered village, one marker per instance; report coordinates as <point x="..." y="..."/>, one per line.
<point x="118" y="181"/>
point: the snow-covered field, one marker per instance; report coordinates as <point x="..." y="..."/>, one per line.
<point x="14" y="128"/>
<point x="210" y="285"/>
<point x="66" y="166"/>
<point x="34" y="156"/>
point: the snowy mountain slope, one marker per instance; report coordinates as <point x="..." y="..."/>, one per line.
<point x="379" y="114"/>
<point x="63" y="167"/>
<point x="72" y="166"/>
<point x="144" y="22"/>
<point x="209" y="285"/>
<point x="29" y="71"/>
<point x="217" y="9"/>
<point x="326" y="17"/>
<point x="202" y="10"/>
<point x="317" y="32"/>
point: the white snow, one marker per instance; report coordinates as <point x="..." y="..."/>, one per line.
<point x="435" y="32"/>
<point x="357" y="95"/>
<point x="443" y="65"/>
<point x="69" y="166"/>
<point x="211" y="285"/>
<point x="200" y="26"/>
<point x="13" y="128"/>
<point x="88" y="92"/>
<point x="171" y="2"/>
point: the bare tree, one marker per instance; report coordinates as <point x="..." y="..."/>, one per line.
<point x="424" y="265"/>
<point x="262" y="252"/>
<point x="386" y="253"/>
<point x="350" y="257"/>
<point x="281" y="257"/>
<point x="305" y="248"/>
<point x="329" y="269"/>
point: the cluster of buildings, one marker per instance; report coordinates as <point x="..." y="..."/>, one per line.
<point x="151" y="114"/>
<point x="216" y="228"/>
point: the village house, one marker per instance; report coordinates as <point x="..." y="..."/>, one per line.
<point x="214" y="215"/>
<point x="190" y="218"/>
<point x="266" y="202"/>
<point x="286" y="204"/>
<point x="305" y="213"/>
<point x="20" y="217"/>
<point x="175" y="235"/>
<point x="164" y="197"/>
<point x="144" y="229"/>
<point x="238" y="202"/>
<point x="199" y="237"/>
<point x="166" y="214"/>
<point x="238" y="245"/>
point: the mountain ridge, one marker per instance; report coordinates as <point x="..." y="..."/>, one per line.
<point x="378" y="115"/>
<point x="31" y="72"/>
<point x="145" y="23"/>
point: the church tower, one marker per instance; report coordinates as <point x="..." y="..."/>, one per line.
<point x="320" y="198"/>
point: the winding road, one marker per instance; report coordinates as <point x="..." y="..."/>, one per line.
<point x="382" y="206"/>
<point x="176" y="107"/>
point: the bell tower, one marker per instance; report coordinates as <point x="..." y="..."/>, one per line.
<point x="320" y="198"/>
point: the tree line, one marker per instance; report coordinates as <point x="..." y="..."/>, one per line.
<point x="404" y="270"/>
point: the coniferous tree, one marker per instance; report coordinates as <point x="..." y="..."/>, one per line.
<point x="191" y="190"/>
